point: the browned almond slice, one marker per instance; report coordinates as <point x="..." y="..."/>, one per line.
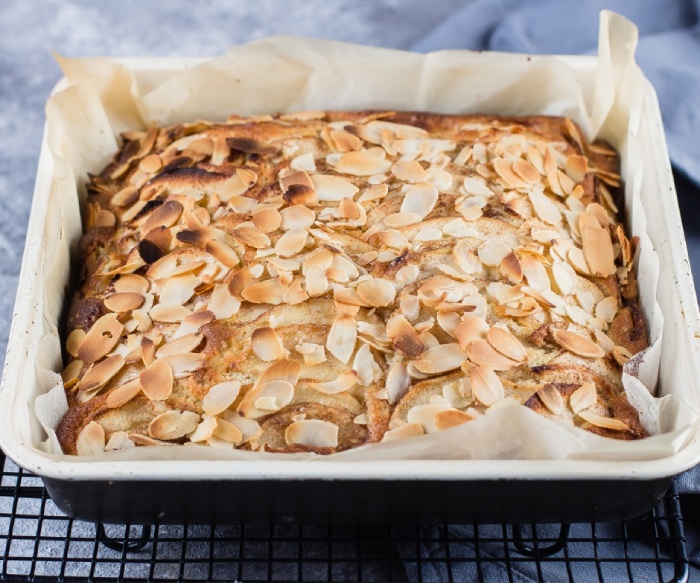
<point x="504" y="169"/>
<point x="105" y="218"/>
<point x="300" y="194"/>
<point x="147" y="440"/>
<point x="124" y="302"/>
<point x="526" y="171"/>
<point x="91" y="439"/>
<point x="267" y="220"/>
<point x="126" y="196"/>
<point x="186" y="343"/>
<point x="123" y="393"/>
<point x="185" y="363"/>
<point x="270" y="291"/>
<point x="551" y="398"/>
<point x="169" y="313"/>
<point x="295" y="294"/>
<point x="342" y="338"/>
<point x="577" y="344"/>
<point x="598" y="251"/>
<point x="493" y="251"/>
<point x="410" y="171"/>
<point x="248" y="234"/>
<point x="100" y="374"/>
<point x="71" y="374"/>
<point x="603" y="422"/>
<point x="349" y="296"/>
<point x="131" y="282"/>
<point x="280" y="370"/>
<point x="362" y="163"/>
<point x="404" y="431"/>
<point x="344" y="141"/>
<point x="471" y="328"/>
<point x="74" y="340"/>
<point x="576" y="167"/>
<point x="101" y="338"/>
<point x="507" y="344"/>
<point x="486" y="386"/>
<point x="511" y="268"/>
<point x="220" y="397"/>
<point x="227" y="431"/>
<point x="295" y="178"/>
<point x="583" y="397"/>
<point x="151" y="164"/>
<point x="377" y="292"/>
<point x="403" y="336"/>
<point x="338" y="385"/>
<point x="148" y="351"/>
<point x="420" y="199"/>
<point x="312" y="433"/>
<point x="166" y="215"/>
<point x="544" y="207"/>
<point x="267" y="344"/>
<point x="173" y="425"/>
<point x="451" y="418"/>
<point x="329" y="187"/>
<point x="222" y="253"/>
<point x="291" y="243"/>
<point x="194" y="322"/>
<point x="157" y="380"/>
<point x="481" y="352"/>
<point x="439" y="359"/>
<point x="266" y="398"/>
<point x="222" y="303"/>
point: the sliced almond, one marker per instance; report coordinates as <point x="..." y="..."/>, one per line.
<point x="493" y="251"/>
<point x="131" y="282"/>
<point x="410" y="171"/>
<point x="504" y="169"/>
<point x="544" y="207"/>
<point x="603" y="422"/>
<point x="119" y="440"/>
<point x="74" y="340"/>
<point x="481" y="352"/>
<point x="123" y="394"/>
<point x="249" y="428"/>
<point x="404" y="431"/>
<point x="222" y="253"/>
<point x="270" y="291"/>
<point x="551" y="398"/>
<point x="101" y="373"/>
<point x="124" y="302"/>
<point x="248" y="234"/>
<point x="535" y="273"/>
<point x="316" y="281"/>
<point x="451" y="418"/>
<point x="304" y="162"/>
<point x="361" y="163"/>
<point x="486" y="386"/>
<point x="397" y="382"/>
<point x="185" y="363"/>
<point x="598" y="251"/>
<point x="291" y="243"/>
<point x="268" y="220"/>
<point x="440" y="359"/>
<point x="583" y="397"/>
<point x="71" y="374"/>
<point x="344" y="141"/>
<point x="420" y="199"/>
<point x="342" y="338"/>
<point x="526" y="171"/>
<point x="403" y="336"/>
<point x="507" y="344"/>
<point x="577" y="344"/>
<point x="237" y="185"/>
<point x="166" y="215"/>
<point x="313" y="353"/>
<point x="157" y="380"/>
<point x="173" y="425"/>
<point x="295" y="294"/>
<point x="220" y="397"/>
<point x="511" y="268"/>
<point x="282" y="370"/>
<point x="621" y="355"/>
<point x="312" y="433"/>
<point x="194" y="322"/>
<point x="222" y="303"/>
<point x="300" y="194"/>
<point x="267" y="344"/>
<point x="471" y="328"/>
<point x="333" y="188"/>
<point x="91" y="439"/>
<point x="377" y="292"/>
<point x="273" y="394"/>
<point x="338" y="385"/>
<point x="169" y="314"/>
<point x="100" y="339"/>
<point x="295" y="178"/>
<point x="186" y="343"/>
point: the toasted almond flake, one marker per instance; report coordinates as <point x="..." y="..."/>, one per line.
<point x="131" y="283"/>
<point x="270" y="291"/>
<point x="451" y="418"/>
<point x="312" y="433"/>
<point x="403" y="336"/>
<point x="157" y="380"/>
<point x="91" y="439"/>
<point x="526" y="171"/>
<point x="123" y="393"/>
<point x="583" y="397"/>
<point x="267" y="220"/>
<point x="576" y="167"/>
<point x="342" y="338"/>
<point x="281" y="392"/>
<point x="403" y="432"/>
<point x="104" y="218"/>
<point x="316" y="281"/>
<point x="125" y="197"/>
<point x="343" y="141"/>
<point x="248" y="234"/>
<point x="493" y="251"/>
<point x="267" y="344"/>
<point x="407" y="274"/>
<point x="100" y="339"/>
<point x="304" y="162"/>
<point x="420" y="199"/>
<point x="551" y="398"/>
<point x="185" y="363"/>
<point x="397" y="382"/>
<point x="562" y="278"/>
<point x="169" y="313"/>
<point x="607" y="309"/>
<point x="361" y="163"/>
<point x="544" y="208"/>
<point x="236" y="185"/>
<point x="598" y="251"/>
<point x="313" y="353"/>
<point x="100" y="374"/>
<point x="535" y="273"/>
<point x="204" y="430"/>
<point x="338" y="385"/>
<point x="146" y="351"/>
<point x="449" y="321"/>
<point x="467" y="260"/>
<point x="577" y="344"/>
<point x="71" y="374"/>
<point x="74" y="340"/>
<point x="295" y="294"/>
<point x="482" y="352"/>
<point x="166" y="215"/>
<point x="577" y="260"/>
<point x="374" y="192"/>
<point x="241" y="204"/>
<point x="428" y="234"/>
<point x="220" y="397"/>
<point x="291" y="243"/>
<point x="222" y="253"/>
<point x="147" y="440"/>
<point x="504" y="169"/>
<point x="511" y="268"/>
<point x="178" y="289"/>
<point x="507" y="344"/>
<point x="119" y="440"/>
<point x="222" y="303"/>
<point x="333" y="188"/>
<point x="603" y="422"/>
<point x="426" y="415"/>
<point x="186" y="343"/>
<point x="194" y="322"/>
<point x="173" y="424"/>
<point x="283" y="370"/>
<point x="440" y="359"/>
<point x="621" y="355"/>
<point x="458" y="228"/>
<point x="377" y="292"/>
<point x="396" y="220"/>
<point x="367" y="369"/>
<point x="249" y="428"/>
<point x="123" y="302"/>
<point x="486" y="386"/>
<point x="410" y="171"/>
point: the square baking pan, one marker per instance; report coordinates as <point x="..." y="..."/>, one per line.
<point x="141" y="492"/>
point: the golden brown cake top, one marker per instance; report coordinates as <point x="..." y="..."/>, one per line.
<point x="316" y="281"/>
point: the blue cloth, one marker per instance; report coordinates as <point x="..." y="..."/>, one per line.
<point x="668" y="52"/>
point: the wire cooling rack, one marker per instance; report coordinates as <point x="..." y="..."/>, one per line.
<point x="39" y="543"/>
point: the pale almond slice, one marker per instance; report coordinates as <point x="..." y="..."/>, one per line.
<point x="511" y="268"/>
<point x="481" y="352"/>
<point x="147" y="440"/>
<point x="344" y="141"/>
<point x="471" y="328"/>
<point x="204" y="430"/>
<point x="397" y="220"/>
<point x="100" y="339"/>
<point x="157" y="380"/>
<point x="410" y="171"/>
<point x="222" y="253"/>
<point x="333" y="188"/>
<point x="449" y="321"/>
<point x="397" y="382"/>
<point x="249" y="235"/>
<point x="273" y="394"/>
<point x="280" y="370"/>
<point x="621" y="355"/>
<point x="312" y="433"/>
<point x="295" y="294"/>
<point x="227" y="431"/>
<point x="374" y="192"/>
<point x="169" y="314"/>
<point x="222" y="303"/>
<point x="467" y="260"/>
<point x="178" y="289"/>
<point x="551" y="398"/>
<point x="131" y="282"/>
<point x="403" y="336"/>
<point x="544" y="207"/>
<point x="250" y="429"/>
<point x="91" y="439"/>
<point x="119" y="440"/>
<point x="493" y="251"/>
<point x="377" y="292"/>
<point x="403" y="432"/>
<point x="607" y="309"/>
<point x="74" y="340"/>
<point x="237" y="185"/>
<point x="338" y="385"/>
<point x="526" y="171"/>
<point x="123" y="302"/>
<point x="241" y="204"/>
<point x="101" y="373"/>
<point x="304" y="162"/>
<point x="439" y="359"/>
<point x="603" y="422"/>
<point x="577" y="260"/>
<point x="267" y="344"/>
<point x="123" y="394"/>
<point x="185" y="363"/>
<point x="194" y="322"/>
<point x="420" y="199"/>
<point x="267" y="220"/>
<point x="576" y="167"/>
<point x="71" y="374"/>
<point x="342" y="338"/>
<point x="291" y="243"/>
<point x="507" y="344"/>
<point x="563" y="279"/>
<point x="173" y="425"/>
<point x="313" y="353"/>
<point x="577" y="344"/>
<point x="220" y="397"/>
<point x="598" y="251"/>
<point x="535" y="273"/>
<point x="186" y="343"/>
<point x="270" y="291"/>
<point x="316" y="281"/>
<point x="361" y="163"/>
<point x="426" y="416"/>
<point x="486" y="386"/>
<point x="583" y="397"/>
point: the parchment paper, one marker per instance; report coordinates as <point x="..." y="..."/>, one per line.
<point x="282" y="74"/>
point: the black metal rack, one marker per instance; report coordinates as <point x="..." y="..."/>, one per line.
<point x="39" y="543"/>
